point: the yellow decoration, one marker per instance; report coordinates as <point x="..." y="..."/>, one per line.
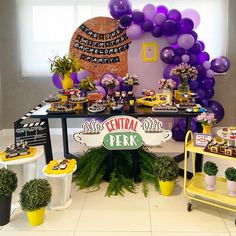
<point x="67" y="82"/>
<point x="206" y="129"/>
<point x="151" y="101"/>
<point x="166" y="187"/>
<point x="147" y="47"/>
<point x="70" y="167"/>
<point x="36" y="217"/>
<point x="32" y="152"/>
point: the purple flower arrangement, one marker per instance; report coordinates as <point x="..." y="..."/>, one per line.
<point x="167" y="84"/>
<point x="206" y="118"/>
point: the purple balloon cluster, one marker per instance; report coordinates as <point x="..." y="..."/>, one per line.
<point x="178" y="29"/>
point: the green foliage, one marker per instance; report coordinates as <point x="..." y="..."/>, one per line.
<point x="86" y="85"/>
<point x="64" y="65"/>
<point x="8" y="182"/>
<point x="35" y="194"/>
<point x="92" y="169"/>
<point x="230" y="174"/>
<point x="167" y="168"/>
<point x="210" y="168"/>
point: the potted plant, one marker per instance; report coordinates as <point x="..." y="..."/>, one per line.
<point x="167" y="171"/>
<point x="8" y="184"/>
<point x="230" y="174"/>
<point x="207" y="120"/>
<point x="86" y="84"/>
<point x="211" y="170"/>
<point x="63" y="67"/>
<point x="34" y="197"/>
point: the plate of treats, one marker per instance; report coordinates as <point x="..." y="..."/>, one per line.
<point x="164" y="108"/>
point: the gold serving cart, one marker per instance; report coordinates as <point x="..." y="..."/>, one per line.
<point x="195" y="188"/>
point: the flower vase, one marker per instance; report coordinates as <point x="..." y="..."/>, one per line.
<point x="183" y="86"/>
<point x="168" y="92"/>
<point x="67" y="82"/>
<point x="206" y="129"/>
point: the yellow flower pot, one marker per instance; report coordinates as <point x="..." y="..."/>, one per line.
<point x="36" y="217"/>
<point x="206" y="129"/>
<point x="166" y="187"/>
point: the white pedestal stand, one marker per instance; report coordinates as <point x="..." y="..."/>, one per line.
<point x="61" y="189"/>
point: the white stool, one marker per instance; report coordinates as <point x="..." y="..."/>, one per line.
<point x="25" y="170"/>
<point x="61" y="189"/>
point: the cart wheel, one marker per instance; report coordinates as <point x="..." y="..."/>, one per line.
<point x="189" y="207"/>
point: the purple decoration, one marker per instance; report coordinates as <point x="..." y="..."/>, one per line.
<point x="195" y="35"/>
<point x="185" y="26"/>
<point x="210" y="73"/>
<point x="125" y="20"/>
<point x="119" y="8"/>
<point x="172" y="39"/>
<point x="149" y="11"/>
<point x="208" y="83"/>
<point x="101" y="90"/>
<point x="177" y="133"/>
<point x="182" y="125"/>
<point x="157" y="31"/>
<point x="56" y="80"/>
<point x="193" y="59"/>
<point x="201" y="71"/>
<point x="202" y="56"/>
<point x="167" y="54"/>
<point x="210" y="93"/>
<point x="97" y="82"/>
<point x="201" y="93"/>
<point x="134" y="31"/>
<point x="185" y="58"/>
<point x="186" y="41"/>
<point x="217" y="109"/>
<point x="204" y="102"/>
<point x="179" y="51"/>
<point x="73" y="76"/>
<point x="167" y="71"/>
<point x="177" y="60"/>
<point x="193" y="15"/>
<point x="176" y="79"/>
<point x="202" y="44"/>
<point x="82" y="74"/>
<point x="193" y="84"/>
<point x="120" y="79"/>
<point x="220" y="65"/>
<point x="197" y="48"/>
<point x="170" y="27"/>
<point x="159" y="18"/>
<point x="124" y="87"/>
<point x="138" y="17"/>
<point x="174" y="15"/>
<point x="147" y="25"/>
<point x="162" y="9"/>
<point x="206" y="65"/>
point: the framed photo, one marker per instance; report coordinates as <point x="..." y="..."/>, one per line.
<point x="201" y="140"/>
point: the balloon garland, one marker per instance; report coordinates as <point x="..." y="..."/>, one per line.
<point x="184" y="46"/>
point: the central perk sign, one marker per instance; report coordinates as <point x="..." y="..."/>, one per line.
<point x="122" y="133"/>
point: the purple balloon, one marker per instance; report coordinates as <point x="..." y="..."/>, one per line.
<point x="177" y="60"/>
<point x="179" y="51"/>
<point x="82" y="74"/>
<point x="119" y="8"/>
<point x="193" y="84"/>
<point x="167" y="71"/>
<point x="201" y="71"/>
<point x="186" y="41"/>
<point x="201" y="93"/>
<point x="56" y="80"/>
<point x="204" y="102"/>
<point x="134" y="31"/>
<point x="202" y="56"/>
<point x="182" y="125"/>
<point x="172" y="39"/>
<point x="120" y="79"/>
<point x="220" y="65"/>
<point x="210" y="93"/>
<point x="193" y="59"/>
<point x="185" y="58"/>
<point x="97" y="82"/>
<point x="193" y="15"/>
<point x="138" y="17"/>
<point x="147" y="25"/>
<point x="217" y="109"/>
<point x="149" y="11"/>
<point x="176" y="79"/>
<point x="101" y="90"/>
<point x="185" y="26"/>
<point x="170" y="27"/>
<point x="207" y="83"/>
<point x="73" y="76"/>
<point x="125" y="20"/>
<point x="177" y="133"/>
<point x="202" y="44"/>
<point x="167" y="54"/>
<point x="195" y="35"/>
<point x="159" y="18"/>
<point x="197" y="48"/>
<point x="206" y="65"/>
<point x="174" y="15"/>
<point x="157" y="31"/>
<point x="210" y="73"/>
<point x="162" y="9"/>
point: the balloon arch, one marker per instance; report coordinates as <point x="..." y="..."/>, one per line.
<point x="178" y="29"/>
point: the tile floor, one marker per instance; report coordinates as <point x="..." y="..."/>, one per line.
<point x="91" y="213"/>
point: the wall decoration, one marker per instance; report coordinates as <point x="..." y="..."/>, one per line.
<point x="150" y="52"/>
<point x="122" y="133"/>
<point x="101" y="46"/>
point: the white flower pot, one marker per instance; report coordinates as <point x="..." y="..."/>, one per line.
<point x="231" y="185"/>
<point x="210" y="182"/>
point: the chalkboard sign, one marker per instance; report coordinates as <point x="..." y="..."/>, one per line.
<point x="35" y="133"/>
